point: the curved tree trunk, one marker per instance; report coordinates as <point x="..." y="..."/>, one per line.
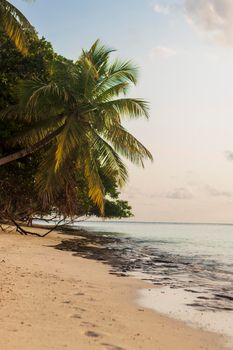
<point x="32" y="148"/>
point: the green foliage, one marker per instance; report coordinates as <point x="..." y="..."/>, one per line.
<point x="18" y="194"/>
<point x="13" y="68"/>
<point x="117" y="209"/>
<point x="87" y="99"/>
<point x="17" y="190"/>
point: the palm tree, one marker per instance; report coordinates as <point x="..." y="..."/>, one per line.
<point x="80" y="113"/>
<point x="14" y="24"/>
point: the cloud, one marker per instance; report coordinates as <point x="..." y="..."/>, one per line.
<point x="212" y="17"/>
<point x="133" y="192"/>
<point x="167" y="8"/>
<point x="213" y="192"/>
<point x="162" y="52"/>
<point x="177" y="193"/>
<point x="229" y="155"/>
<point x="163" y="9"/>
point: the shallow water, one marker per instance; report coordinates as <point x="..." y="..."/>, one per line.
<point x="209" y="243"/>
<point x="192" y="263"/>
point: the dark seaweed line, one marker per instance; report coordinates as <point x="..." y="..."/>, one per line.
<point x="212" y="287"/>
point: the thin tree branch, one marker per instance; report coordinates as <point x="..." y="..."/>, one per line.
<point x="24" y="232"/>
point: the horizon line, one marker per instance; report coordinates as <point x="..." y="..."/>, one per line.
<point x="162" y="222"/>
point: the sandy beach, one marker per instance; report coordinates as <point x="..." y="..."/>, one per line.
<point x="52" y="299"/>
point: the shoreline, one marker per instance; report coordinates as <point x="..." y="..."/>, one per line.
<point x="175" y="304"/>
<point x="54" y="299"/>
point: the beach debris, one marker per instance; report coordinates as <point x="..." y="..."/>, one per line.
<point x="112" y="347"/>
<point x="92" y="334"/>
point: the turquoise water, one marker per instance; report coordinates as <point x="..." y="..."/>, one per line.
<point x="204" y="242"/>
<point x="192" y="264"/>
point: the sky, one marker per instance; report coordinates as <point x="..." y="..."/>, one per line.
<point x="184" y="50"/>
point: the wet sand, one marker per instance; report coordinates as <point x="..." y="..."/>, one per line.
<point x="54" y="299"/>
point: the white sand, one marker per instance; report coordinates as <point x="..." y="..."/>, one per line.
<point x="173" y="302"/>
<point x="51" y="299"/>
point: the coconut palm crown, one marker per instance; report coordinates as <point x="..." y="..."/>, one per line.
<point x="83" y="106"/>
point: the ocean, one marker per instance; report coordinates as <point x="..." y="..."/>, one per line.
<point x="191" y="266"/>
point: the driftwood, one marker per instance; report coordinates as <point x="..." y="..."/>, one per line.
<point x="20" y="225"/>
<point x="22" y="231"/>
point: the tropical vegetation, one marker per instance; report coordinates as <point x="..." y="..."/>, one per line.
<point x="62" y="135"/>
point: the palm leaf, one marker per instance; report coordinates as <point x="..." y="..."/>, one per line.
<point x="39" y="98"/>
<point x="98" y="56"/>
<point x="109" y="159"/>
<point x="118" y="72"/>
<point x="74" y="136"/>
<point x="126" y="107"/>
<point x="96" y="189"/>
<point x="113" y="91"/>
<point x="37" y="131"/>
<point x="127" y="145"/>
<point x="15" y="24"/>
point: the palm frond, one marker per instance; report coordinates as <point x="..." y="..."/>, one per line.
<point x="37" y="131"/>
<point x="111" y="92"/>
<point x="49" y="183"/>
<point x="39" y="98"/>
<point x="126" y="107"/>
<point x="123" y="70"/>
<point x="95" y="186"/>
<point x="71" y="138"/>
<point x="127" y="145"/>
<point x="15" y="24"/>
<point x="118" y="72"/>
<point x="98" y="55"/>
<point x="16" y="13"/>
<point x="108" y="159"/>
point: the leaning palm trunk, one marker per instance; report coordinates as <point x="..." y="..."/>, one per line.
<point x="32" y="148"/>
<point x="88" y="98"/>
